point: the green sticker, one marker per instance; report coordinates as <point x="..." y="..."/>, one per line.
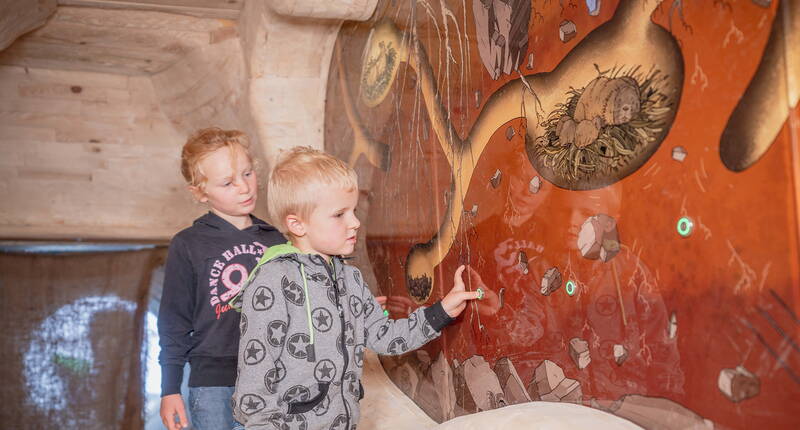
<point x="570" y="288"/>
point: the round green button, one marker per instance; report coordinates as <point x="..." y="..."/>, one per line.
<point x="571" y="287"/>
<point x="685" y="226"/>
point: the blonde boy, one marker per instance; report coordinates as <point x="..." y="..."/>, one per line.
<point x="307" y="317"/>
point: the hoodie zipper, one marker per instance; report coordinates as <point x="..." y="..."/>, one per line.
<point x="308" y="303"/>
<point x="332" y="274"/>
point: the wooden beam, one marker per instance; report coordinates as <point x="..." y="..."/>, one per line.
<point x="115" y="41"/>
<point x="91" y="58"/>
<point x="227" y="9"/>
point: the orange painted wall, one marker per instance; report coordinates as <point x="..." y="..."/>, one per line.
<point x="733" y="285"/>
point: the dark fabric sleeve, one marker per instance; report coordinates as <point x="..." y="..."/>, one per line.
<point x="175" y="312"/>
<point x="437" y="317"/>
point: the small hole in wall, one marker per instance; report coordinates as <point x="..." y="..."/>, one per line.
<point x="76" y="89"/>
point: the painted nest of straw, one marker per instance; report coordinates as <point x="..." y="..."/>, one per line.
<point x="615" y="145"/>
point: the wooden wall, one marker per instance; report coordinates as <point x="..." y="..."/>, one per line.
<point x="87" y="155"/>
<point x="96" y="100"/>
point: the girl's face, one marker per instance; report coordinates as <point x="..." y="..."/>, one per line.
<point x="231" y="188"/>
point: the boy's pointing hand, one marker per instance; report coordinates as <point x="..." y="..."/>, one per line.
<point x="456" y="300"/>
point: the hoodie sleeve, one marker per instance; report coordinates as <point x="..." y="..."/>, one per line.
<point x="263" y="328"/>
<point x="175" y="316"/>
<point x="388" y="336"/>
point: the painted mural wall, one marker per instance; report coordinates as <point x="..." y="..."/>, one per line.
<point x="621" y="179"/>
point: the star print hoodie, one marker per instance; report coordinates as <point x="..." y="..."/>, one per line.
<point x="305" y="324"/>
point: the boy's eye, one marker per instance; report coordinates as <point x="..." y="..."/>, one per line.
<point x="339" y="214"/>
<point x="248" y="173"/>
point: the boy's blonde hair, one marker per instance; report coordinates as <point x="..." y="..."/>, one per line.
<point x="202" y="143"/>
<point x="299" y="175"/>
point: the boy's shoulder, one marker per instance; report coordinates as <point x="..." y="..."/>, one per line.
<point x="275" y="266"/>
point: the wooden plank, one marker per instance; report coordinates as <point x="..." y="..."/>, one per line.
<point x="115" y="112"/>
<point x="171" y="41"/>
<point x="106" y="133"/>
<point x="28" y="134"/>
<point x="28" y="173"/>
<point x="137" y="19"/>
<point x="51" y="231"/>
<point x="10" y="159"/>
<point x="11" y="102"/>
<point x="98" y="59"/>
<point x="74" y="128"/>
<point x="19" y="74"/>
<point x="61" y="157"/>
<point x="64" y="120"/>
<point x="74" y="92"/>
<point x="226" y="9"/>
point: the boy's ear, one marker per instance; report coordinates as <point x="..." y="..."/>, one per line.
<point x="198" y="193"/>
<point x="295" y="225"/>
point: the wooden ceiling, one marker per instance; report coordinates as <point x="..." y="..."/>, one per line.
<point x="123" y="36"/>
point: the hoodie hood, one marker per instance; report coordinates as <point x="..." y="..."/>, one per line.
<point x="290" y="252"/>
<point x="214" y="221"/>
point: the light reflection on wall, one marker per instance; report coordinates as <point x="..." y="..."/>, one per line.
<point x="63" y="343"/>
<point x="152" y="373"/>
<point x="152" y="384"/>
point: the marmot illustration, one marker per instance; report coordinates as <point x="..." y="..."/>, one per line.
<point x="605" y="101"/>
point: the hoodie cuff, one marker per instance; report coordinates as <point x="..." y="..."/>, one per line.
<point x="437" y="317"/>
<point x="171" y="379"/>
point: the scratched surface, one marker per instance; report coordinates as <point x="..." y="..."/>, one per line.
<point x="686" y="311"/>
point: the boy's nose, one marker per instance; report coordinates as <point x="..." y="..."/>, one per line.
<point x="355" y="224"/>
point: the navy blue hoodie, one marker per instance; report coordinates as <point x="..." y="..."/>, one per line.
<point x="207" y="264"/>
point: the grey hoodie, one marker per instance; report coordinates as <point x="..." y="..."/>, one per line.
<point x="304" y="327"/>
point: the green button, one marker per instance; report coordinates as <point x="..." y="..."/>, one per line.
<point x="570" y="288"/>
<point x="685" y="226"/>
<point x="385" y="313"/>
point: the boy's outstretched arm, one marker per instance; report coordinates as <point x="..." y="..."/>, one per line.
<point x="456" y="300"/>
<point x="388" y="336"/>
